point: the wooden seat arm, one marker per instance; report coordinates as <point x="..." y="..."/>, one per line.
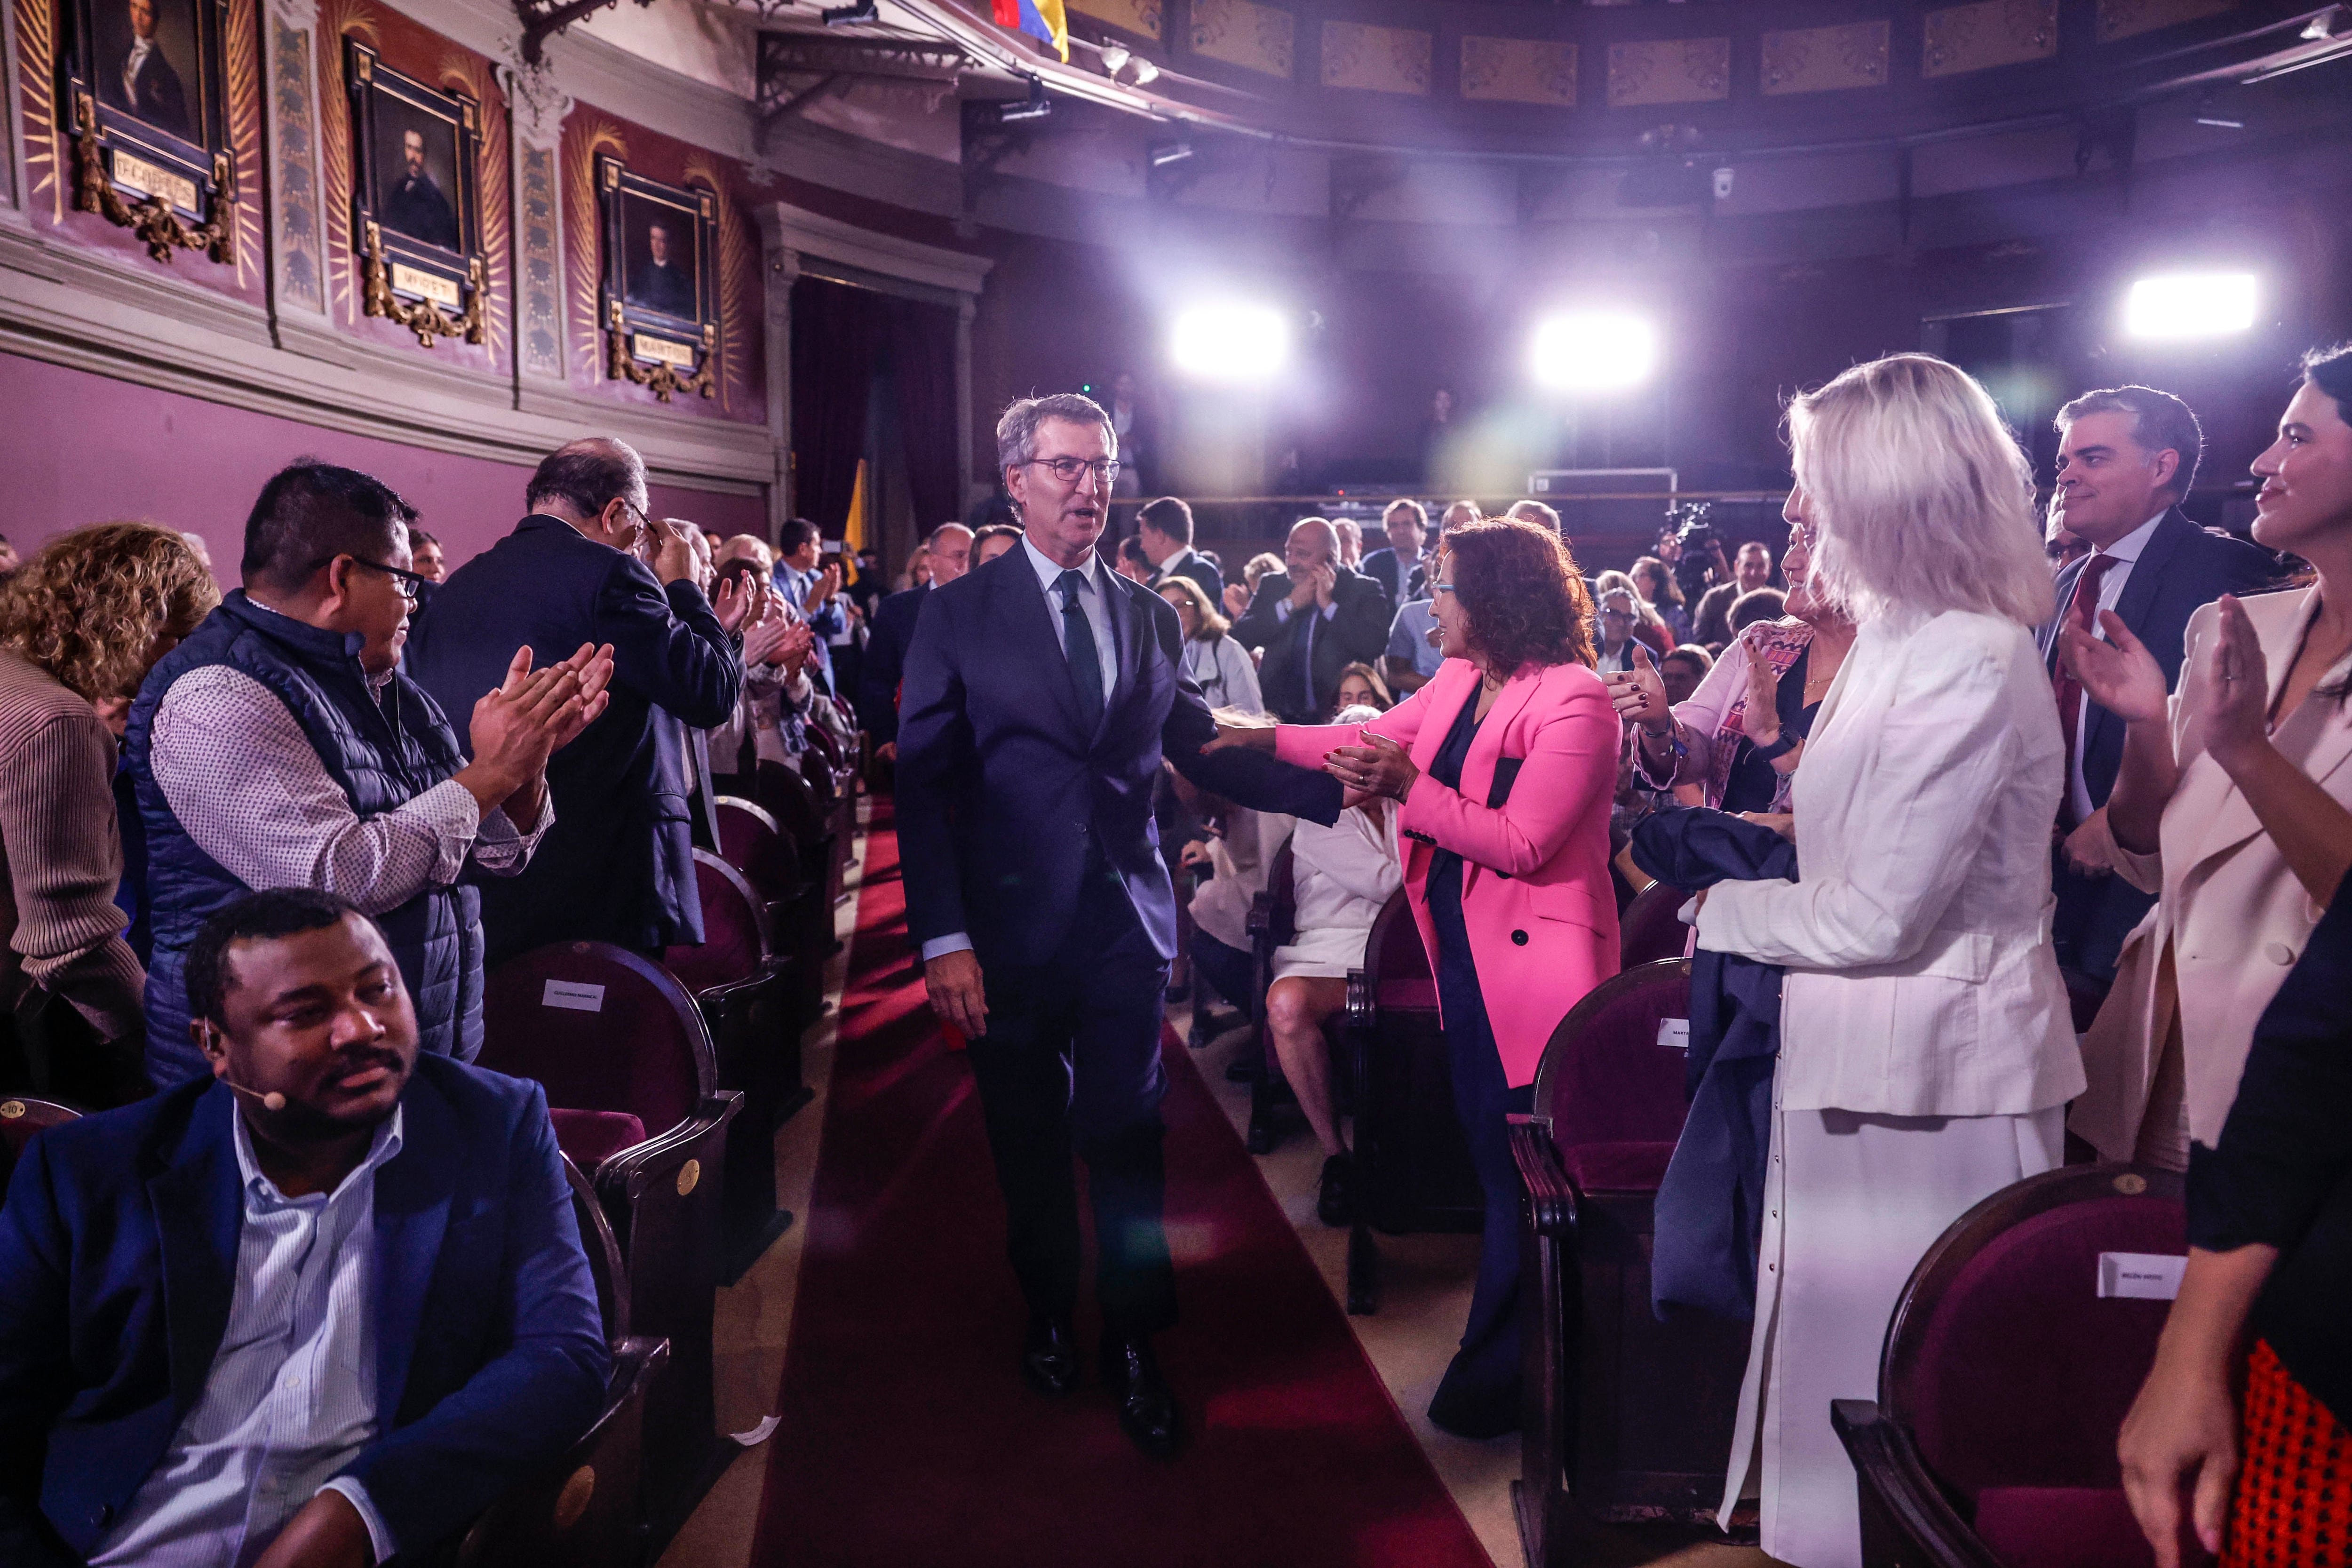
<point x="1907" y="1522"/>
<point x="1548" y="1197"/>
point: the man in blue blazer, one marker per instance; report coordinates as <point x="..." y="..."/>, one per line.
<point x="1042" y="692"/>
<point x="2127" y="456"/>
<point x="316" y="1311"/>
<point x="618" y="865"/>
<point x="887" y="640"/>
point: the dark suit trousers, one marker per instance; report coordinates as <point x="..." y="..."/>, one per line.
<point x="1071" y="1064"/>
<point x="2094" y="914"/>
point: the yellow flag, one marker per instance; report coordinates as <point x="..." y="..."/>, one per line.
<point x="853" y="533"/>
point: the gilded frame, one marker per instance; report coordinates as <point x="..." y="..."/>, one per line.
<point x="655" y="344"/>
<point x="151" y="153"/>
<point x="422" y="265"/>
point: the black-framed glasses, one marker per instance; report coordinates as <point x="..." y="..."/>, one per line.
<point x="405" y="583"/>
<point x="1067" y="469"/>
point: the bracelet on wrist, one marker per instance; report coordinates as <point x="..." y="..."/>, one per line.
<point x="1779" y="747"/>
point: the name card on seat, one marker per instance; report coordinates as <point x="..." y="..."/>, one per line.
<point x="2140" y="1275"/>
<point x="1674" y="1034"/>
<point x="575" y="995"/>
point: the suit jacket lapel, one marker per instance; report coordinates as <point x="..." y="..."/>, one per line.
<point x="1486" y="747"/>
<point x="1127" y="620"/>
<point x="411" y="1211"/>
<point x="2047" y="638"/>
<point x="2103" y="733"/>
<point x="199" y="1204"/>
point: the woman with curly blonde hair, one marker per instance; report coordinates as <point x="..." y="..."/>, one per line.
<point x="80" y="625"/>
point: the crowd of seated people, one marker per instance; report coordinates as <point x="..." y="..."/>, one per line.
<point x="2070" y="799"/>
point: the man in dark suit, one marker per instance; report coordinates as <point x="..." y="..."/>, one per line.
<point x="1042" y="692"/>
<point x="664" y="285"/>
<point x="2127" y="456"/>
<point x="886" y="641"/>
<point x="1401" y="570"/>
<point x="327" y="1303"/>
<point x="140" y="80"/>
<point x="1314" y="618"/>
<point x="618" y="865"/>
<point x="415" y="205"/>
<point x="1165" y="530"/>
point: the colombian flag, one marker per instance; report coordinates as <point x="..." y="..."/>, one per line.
<point x="1042" y="19"/>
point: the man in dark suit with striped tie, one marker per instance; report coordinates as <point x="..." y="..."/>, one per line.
<point x="2126" y="457"/>
<point x="1042" y="691"/>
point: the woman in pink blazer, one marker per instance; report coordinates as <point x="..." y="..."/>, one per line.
<point x="1504" y="765"/>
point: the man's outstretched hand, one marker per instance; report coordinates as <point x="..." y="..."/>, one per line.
<point x="957" y="994"/>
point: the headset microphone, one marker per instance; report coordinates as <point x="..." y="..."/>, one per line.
<point x="272" y="1101"/>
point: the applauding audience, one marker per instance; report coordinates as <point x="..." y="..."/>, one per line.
<point x="80" y="625"/>
<point x="281" y="746"/>
<point x="1312" y="619"/>
<point x="235" y="1327"/>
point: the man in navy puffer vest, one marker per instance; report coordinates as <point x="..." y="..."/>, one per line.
<point x="280" y="746"/>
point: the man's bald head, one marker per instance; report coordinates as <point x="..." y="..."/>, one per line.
<point x="580" y="479"/>
<point x="949" y="546"/>
<point x="1313" y="541"/>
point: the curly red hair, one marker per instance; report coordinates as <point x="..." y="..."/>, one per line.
<point x="1526" y="600"/>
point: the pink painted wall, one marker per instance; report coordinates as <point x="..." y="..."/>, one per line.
<point x="79" y="447"/>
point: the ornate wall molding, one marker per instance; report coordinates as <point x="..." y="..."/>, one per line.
<point x="813" y="234"/>
<point x="298" y="227"/>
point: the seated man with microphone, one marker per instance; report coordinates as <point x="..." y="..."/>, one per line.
<point x="322" y="1311"/>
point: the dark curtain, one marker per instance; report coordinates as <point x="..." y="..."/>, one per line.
<point x="922" y="376"/>
<point x="839" y="337"/>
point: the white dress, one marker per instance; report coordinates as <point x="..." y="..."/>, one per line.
<point x="1341" y="877"/>
<point x="1927" y="1049"/>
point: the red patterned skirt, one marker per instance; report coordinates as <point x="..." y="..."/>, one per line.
<point x="2294" y="1493"/>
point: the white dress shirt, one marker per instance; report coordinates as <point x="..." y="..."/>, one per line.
<point x="2123" y="552"/>
<point x="291" y="1396"/>
<point x="1092" y="604"/>
<point x="132" y="65"/>
<point x="238" y="771"/>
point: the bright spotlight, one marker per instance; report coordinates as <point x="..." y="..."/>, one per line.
<point x="1229" y="342"/>
<point x="1592" y="351"/>
<point x="2197" y="305"/>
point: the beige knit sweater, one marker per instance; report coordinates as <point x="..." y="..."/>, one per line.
<point x="60" y="854"/>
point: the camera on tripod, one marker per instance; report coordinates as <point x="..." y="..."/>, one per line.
<point x="1694" y="537"/>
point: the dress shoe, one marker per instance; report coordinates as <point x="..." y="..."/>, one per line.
<point x="1147" y="1410"/>
<point x="1335" y="1204"/>
<point x="1049" y="1355"/>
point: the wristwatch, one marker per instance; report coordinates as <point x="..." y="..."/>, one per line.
<point x="1788" y="742"/>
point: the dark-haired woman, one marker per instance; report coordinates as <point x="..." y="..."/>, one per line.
<point x="2231" y="803"/>
<point x="1504" y="765"/>
<point x="80" y="626"/>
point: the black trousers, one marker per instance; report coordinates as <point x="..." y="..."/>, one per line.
<point x="1070" y="1065"/>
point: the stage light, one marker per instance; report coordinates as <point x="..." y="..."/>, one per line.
<point x="847" y="16"/>
<point x="1167" y="152"/>
<point x="1113" y="57"/>
<point x="2190" y="305"/>
<point x="1146" y="73"/>
<point x="1036" y="106"/>
<point x="1593" y="350"/>
<point x="1229" y="342"/>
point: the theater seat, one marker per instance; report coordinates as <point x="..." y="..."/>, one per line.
<point x="606" y="1030"/>
<point x="2006" y="1377"/>
<point x="1412" y="1158"/>
<point x="1273" y="922"/>
<point x="21" y="1117"/>
<point x="1627" y="1418"/>
<point x="1652" y="927"/>
<point x="800" y="916"/>
<point x="588" y="1510"/>
<point x="592" y="1137"/>
<point x="740" y="987"/>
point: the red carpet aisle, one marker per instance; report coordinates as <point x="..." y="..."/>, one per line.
<point x="908" y="1439"/>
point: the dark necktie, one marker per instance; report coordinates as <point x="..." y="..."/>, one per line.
<point x="2083" y="610"/>
<point x="1307" y="659"/>
<point x="1079" y="648"/>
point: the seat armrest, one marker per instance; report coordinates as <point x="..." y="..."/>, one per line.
<point x="1363" y="1006"/>
<point x="1549" y="1197"/>
<point x="1907" y="1520"/>
<point x="1260" y="915"/>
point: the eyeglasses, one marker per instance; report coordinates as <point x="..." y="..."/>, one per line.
<point x="404" y="582"/>
<point x="1067" y="469"/>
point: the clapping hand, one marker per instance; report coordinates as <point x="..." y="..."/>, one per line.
<point x="762" y="637"/>
<point x="593" y="668"/>
<point x="2120" y="675"/>
<point x="1326" y="579"/>
<point x="730" y="604"/>
<point x="1639" y="695"/>
<point x="1237" y="600"/>
<point x="792" y="650"/>
<point x="2230" y="690"/>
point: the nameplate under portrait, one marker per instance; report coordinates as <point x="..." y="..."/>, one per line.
<point x="659" y="299"/>
<point x="139" y="82"/>
<point x="416" y="201"/>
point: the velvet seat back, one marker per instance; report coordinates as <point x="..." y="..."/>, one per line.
<point x="1652" y="928"/>
<point x="2005" y="1364"/>
<point x="733" y="944"/>
<point x="602" y="1029"/>
<point x="750" y="840"/>
<point x="1396" y="962"/>
<point x="1605" y="1078"/>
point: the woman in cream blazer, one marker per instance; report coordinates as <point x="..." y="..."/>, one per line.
<point x="1927" y="1053"/>
<point x="2231" y="805"/>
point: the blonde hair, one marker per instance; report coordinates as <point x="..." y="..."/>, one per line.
<point x="1922" y="499"/>
<point x="99" y="604"/>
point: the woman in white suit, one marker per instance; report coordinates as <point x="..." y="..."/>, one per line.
<point x="2231" y="802"/>
<point x="1927" y="1053"/>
